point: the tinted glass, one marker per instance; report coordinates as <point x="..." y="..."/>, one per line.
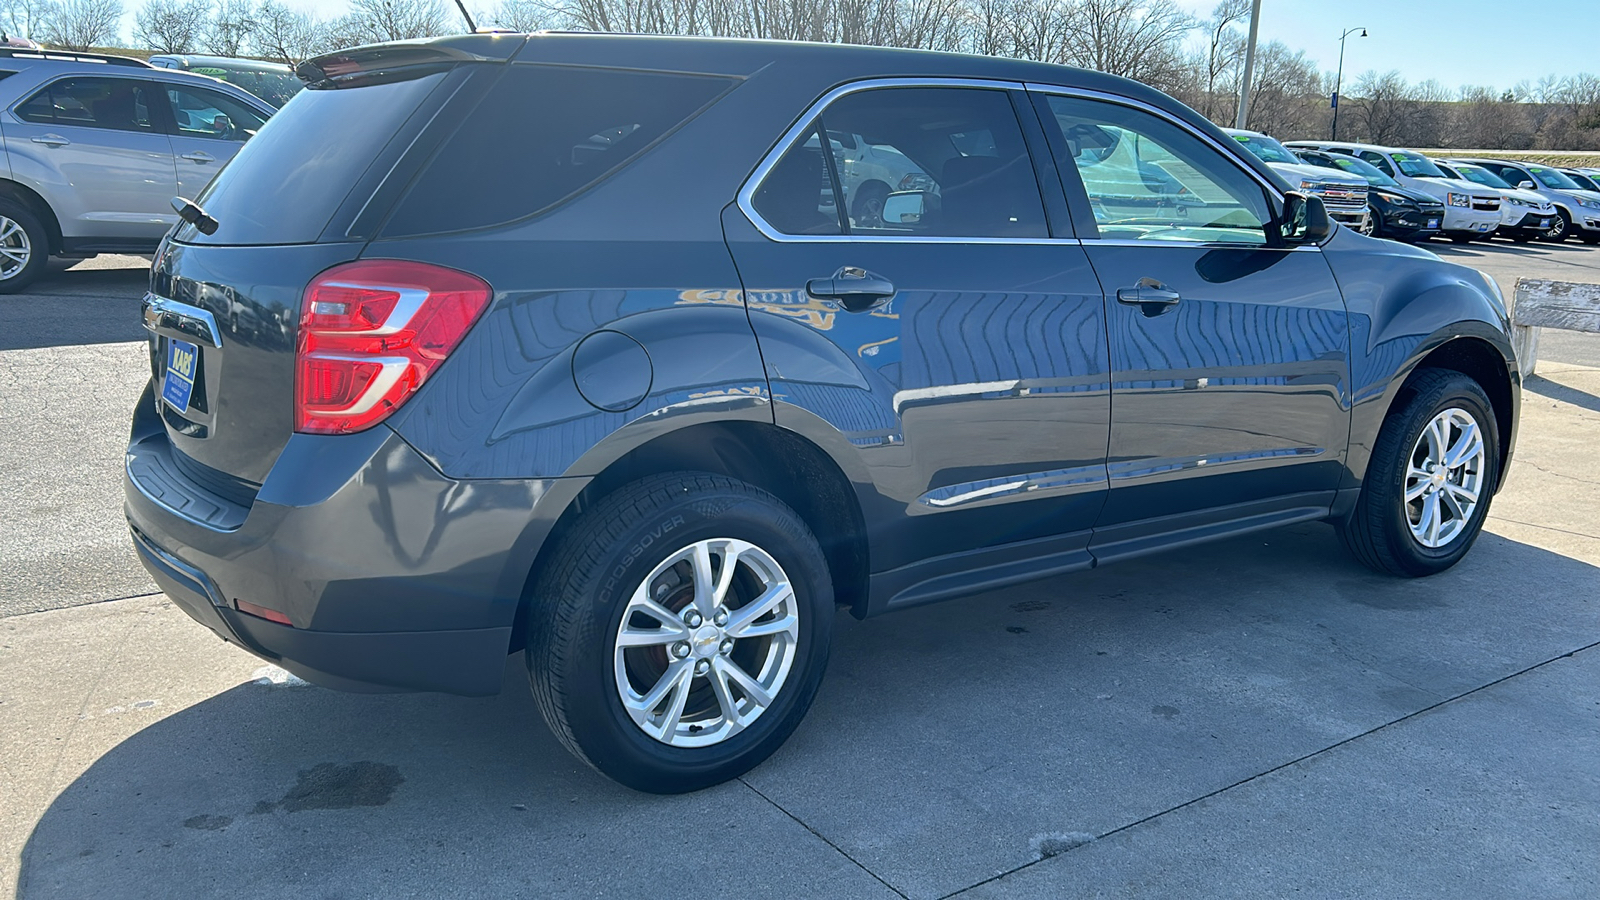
<point x="119" y="103"/>
<point x="1480" y="175"/>
<point x="796" y="196"/>
<point x="272" y="86"/>
<point x="1266" y="149"/>
<point x="1550" y="178"/>
<point x="1148" y="179"/>
<point x="542" y="134"/>
<point x="1583" y="180"/>
<point x="950" y="162"/>
<point x="1371" y="173"/>
<point x="1378" y="161"/>
<point x="210" y="114"/>
<point x="288" y="181"/>
<point x="1416" y="165"/>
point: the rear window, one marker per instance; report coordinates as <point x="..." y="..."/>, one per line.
<point x="288" y="180"/>
<point x="540" y="135"/>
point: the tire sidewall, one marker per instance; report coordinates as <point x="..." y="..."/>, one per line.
<point x="1458" y="392"/>
<point x="599" y="723"/>
<point x="38" y="241"/>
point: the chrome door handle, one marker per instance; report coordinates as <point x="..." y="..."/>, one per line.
<point x="853" y="288"/>
<point x="200" y="156"/>
<point x="1151" y="296"/>
<point x="51" y="140"/>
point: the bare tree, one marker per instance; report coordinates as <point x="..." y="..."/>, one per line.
<point x="25" y="18"/>
<point x="520" y="15"/>
<point x="229" y="30"/>
<point x="82" y="24"/>
<point x="1379" y="106"/>
<point x="1138" y="39"/>
<point x="1224" y="49"/>
<point x="171" y="26"/>
<point x="373" y="21"/>
<point x="287" y="35"/>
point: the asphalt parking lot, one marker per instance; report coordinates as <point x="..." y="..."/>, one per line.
<point x="1257" y="718"/>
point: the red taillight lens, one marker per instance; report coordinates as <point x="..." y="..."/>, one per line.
<point x="370" y="334"/>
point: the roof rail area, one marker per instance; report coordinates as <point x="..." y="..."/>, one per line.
<point x="20" y="53"/>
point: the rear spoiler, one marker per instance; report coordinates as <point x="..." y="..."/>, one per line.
<point x="402" y="60"/>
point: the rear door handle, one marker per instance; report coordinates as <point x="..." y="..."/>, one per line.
<point x="1151" y="296"/>
<point x="853" y="288"/>
<point x="200" y="157"/>
<point x="51" y="140"/>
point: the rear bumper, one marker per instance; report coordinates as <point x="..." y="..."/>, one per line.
<point x="392" y="576"/>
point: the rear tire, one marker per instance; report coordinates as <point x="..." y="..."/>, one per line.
<point x="1413" y="517"/>
<point x="620" y="616"/>
<point x="24" y="246"/>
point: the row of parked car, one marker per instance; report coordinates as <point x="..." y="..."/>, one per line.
<point x="1401" y="194"/>
<point x="93" y="148"/>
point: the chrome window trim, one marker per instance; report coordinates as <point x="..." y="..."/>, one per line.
<point x="747" y="191"/>
<point x="1227" y="152"/>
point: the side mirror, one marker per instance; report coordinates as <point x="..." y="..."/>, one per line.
<point x="1525" y="185"/>
<point x="1305" y="220"/>
<point x="904" y="208"/>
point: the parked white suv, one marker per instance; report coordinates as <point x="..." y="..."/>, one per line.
<point x="1524" y="215"/>
<point x="1470" y="210"/>
<point x="1577" y="210"/>
<point x="1344" y="196"/>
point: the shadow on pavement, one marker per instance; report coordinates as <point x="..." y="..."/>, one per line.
<point x="1547" y="388"/>
<point x="78" y="306"/>
<point x="949" y="743"/>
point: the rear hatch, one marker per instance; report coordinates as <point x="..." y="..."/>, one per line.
<point x="305" y="194"/>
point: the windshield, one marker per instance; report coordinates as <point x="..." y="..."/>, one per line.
<point x="1584" y="180"/>
<point x="1550" y="178"/>
<point x="1266" y="149"/>
<point x="1481" y="175"/>
<point x="1355" y="167"/>
<point x="1415" y="165"/>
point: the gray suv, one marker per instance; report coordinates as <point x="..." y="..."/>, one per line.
<point x="97" y="146"/>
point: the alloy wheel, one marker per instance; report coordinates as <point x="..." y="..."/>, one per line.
<point x="15" y="248"/>
<point x="706" y="642"/>
<point x="1444" y="478"/>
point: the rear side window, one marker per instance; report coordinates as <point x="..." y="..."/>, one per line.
<point x="119" y="103"/>
<point x="542" y="134"/>
<point x="288" y="181"/>
<point x="909" y="162"/>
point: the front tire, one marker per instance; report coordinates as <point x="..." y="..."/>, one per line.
<point x="680" y="630"/>
<point x="24" y="246"/>
<point x="1432" y="474"/>
<point x="1560" y="229"/>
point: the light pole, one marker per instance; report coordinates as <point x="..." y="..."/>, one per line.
<point x="1249" y="66"/>
<point x="1338" y="80"/>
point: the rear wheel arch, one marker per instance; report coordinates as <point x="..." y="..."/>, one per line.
<point x="30" y="198"/>
<point x="788" y="466"/>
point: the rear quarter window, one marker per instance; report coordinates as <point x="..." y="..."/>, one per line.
<point x="542" y="134"/>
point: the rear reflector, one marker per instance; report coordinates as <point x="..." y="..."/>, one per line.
<point x="370" y="334"/>
<point x="261" y="612"/>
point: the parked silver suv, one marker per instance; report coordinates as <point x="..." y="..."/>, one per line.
<point x="96" y="147"/>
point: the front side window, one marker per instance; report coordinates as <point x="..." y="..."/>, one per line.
<point x="211" y="114"/>
<point x="122" y="104"/>
<point x="909" y="162"/>
<point x="1149" y="180"/>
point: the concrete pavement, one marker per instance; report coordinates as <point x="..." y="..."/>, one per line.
<point x="1260" y="717"/>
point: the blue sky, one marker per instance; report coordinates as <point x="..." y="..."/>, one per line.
<point x="1457" y="42"/>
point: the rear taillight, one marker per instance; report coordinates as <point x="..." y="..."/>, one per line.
<point x="371" y="333"/>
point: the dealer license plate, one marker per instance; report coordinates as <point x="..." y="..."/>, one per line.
<point x="183" y="360"/>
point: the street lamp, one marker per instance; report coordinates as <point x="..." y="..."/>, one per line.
<point x="1338" y="80"/>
